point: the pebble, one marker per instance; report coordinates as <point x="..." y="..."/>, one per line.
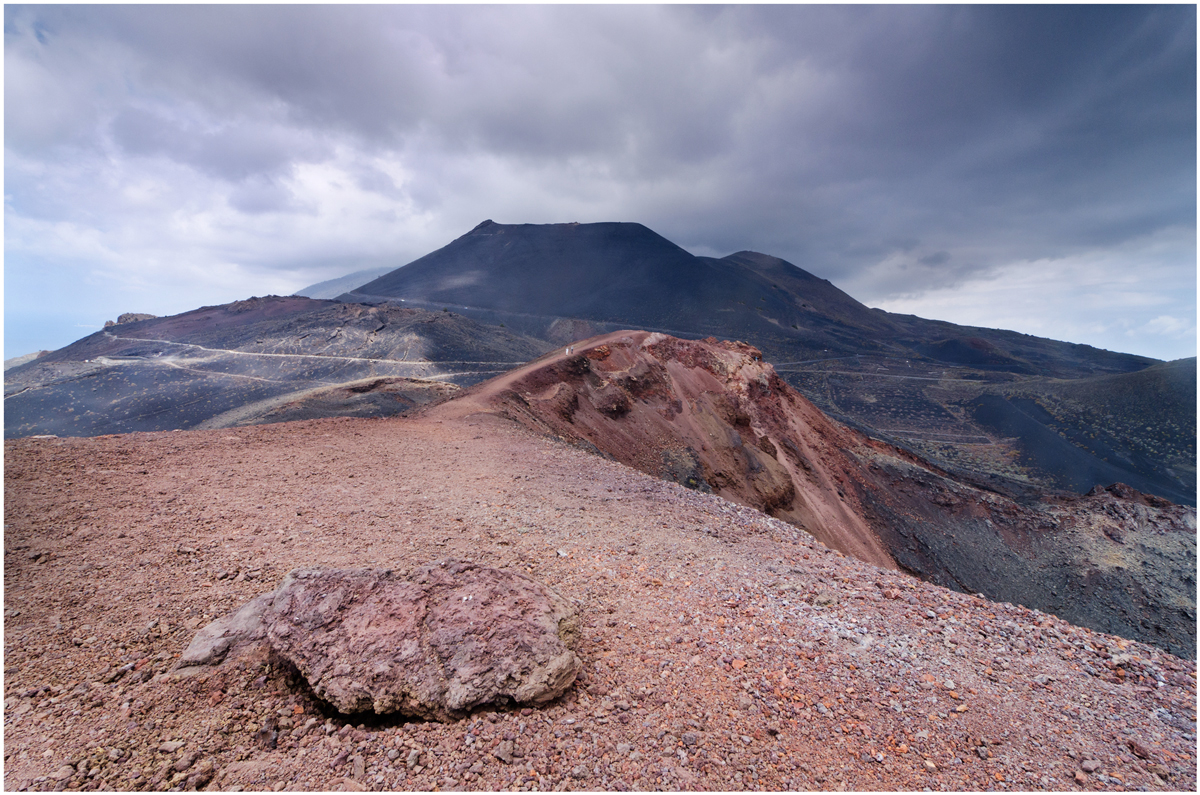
<point x="186" y="761"/>
<point x="1090" y="765"/>
<point x="171" y="746"/>
<point x="930" y="766"/>
<point x="1139" y="749"/>
<point x="504" y="752"/>
<point x="63" y="773"/>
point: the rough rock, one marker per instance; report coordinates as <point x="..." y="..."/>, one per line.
<point x="504" y="752"/>
<point x="133" y="317"/>
<point x="435" y="643"/>
<point x="212" y="643"/>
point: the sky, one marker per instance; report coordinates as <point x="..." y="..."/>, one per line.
<point x="1021" y="167"/>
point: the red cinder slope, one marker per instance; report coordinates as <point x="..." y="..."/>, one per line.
<point x="714" y="417"/>
<point x="710" y="415"/>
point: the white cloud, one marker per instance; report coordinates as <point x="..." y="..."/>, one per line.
<point x="1138" y="298"/>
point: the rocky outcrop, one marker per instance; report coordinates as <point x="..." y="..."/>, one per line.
<point x="710" y="415"/>
<point x="435" y="643"/>
<point x="129" y="317"/>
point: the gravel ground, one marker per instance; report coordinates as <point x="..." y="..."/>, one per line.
<point x="723" y="650"/>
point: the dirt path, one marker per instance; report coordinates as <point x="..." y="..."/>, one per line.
<point x="723" y="649"/>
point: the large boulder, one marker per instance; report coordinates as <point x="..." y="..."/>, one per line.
<point x="434" y="643"/>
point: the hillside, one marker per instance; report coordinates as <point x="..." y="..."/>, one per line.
<point x="1142" y="424"/>
<point x="260" y="360"/>
<point x="723" y="650"/>
<point x="714" y="417"/>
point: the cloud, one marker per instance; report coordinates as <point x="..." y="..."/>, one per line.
<point x="1137" y="298"/>
<point x="895" y="150"/>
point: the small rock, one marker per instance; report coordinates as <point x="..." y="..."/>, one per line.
<point x="214" y="641"/>
<point x="982" y="752"/>
<point x="360" y="767"/>
<point x="393" y="754"/>
<point x="1080" y="777"/>
<point x="504" y="752"/>
<point x="350" y="785"/>
<point x="825" y="599"/>
<point x="268" y="735"/>
<point x="948" y="684"/>
<point x="186" y="761"/>
<point x="171" y="746"/>
<point x="1139" y="749"/>
<point x="930" y="766"/>
<point x="1090" y="765"/>
<point x="201" y="774"/>
<point x="63" y="773"/>
<point x="414" y="757"/>
<point x="690" y="738"/>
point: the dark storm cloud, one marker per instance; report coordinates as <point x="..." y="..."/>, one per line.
<point x="892" y="149"/>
